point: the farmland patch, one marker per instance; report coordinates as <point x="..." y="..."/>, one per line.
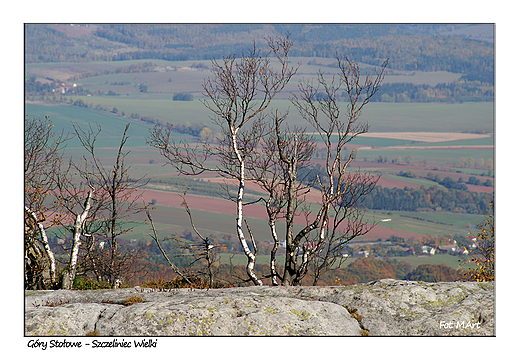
<point x="423" y="136"/>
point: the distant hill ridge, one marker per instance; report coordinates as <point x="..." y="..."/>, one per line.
<point x="423" y="47"/>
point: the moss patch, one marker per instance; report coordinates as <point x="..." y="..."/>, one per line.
<point x="304" y="315"/>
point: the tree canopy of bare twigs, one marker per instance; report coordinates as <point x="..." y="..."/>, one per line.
<point x="42" y="156"/>
<point x="238" y="96"/>
<point x="89" y="202"/>
<point x="339" y="218"/>
<point x="115" y="197"/>
<point x="258" y="146"/>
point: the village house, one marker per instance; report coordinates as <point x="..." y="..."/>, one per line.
<point x="64" y="88"/>
<point x="360" y="254"/>
<point x="446" y="249"/>
<point x="428" y="250"/>
<point x="452" y="249"/>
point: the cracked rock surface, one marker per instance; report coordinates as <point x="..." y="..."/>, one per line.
<point x="382" y="308"/>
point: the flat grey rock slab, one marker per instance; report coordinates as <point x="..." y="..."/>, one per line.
<point x="382" y="308"/>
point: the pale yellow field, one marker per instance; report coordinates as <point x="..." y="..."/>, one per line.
<point x="426" y="136"/>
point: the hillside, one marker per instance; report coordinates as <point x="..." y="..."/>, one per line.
<point x="420" y="47"/>
<point x="430" y="143"/>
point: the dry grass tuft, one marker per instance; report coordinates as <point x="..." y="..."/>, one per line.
<point x="131" y="300"/>
<point x="358" y="317"/>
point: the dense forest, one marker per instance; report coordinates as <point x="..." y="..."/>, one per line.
<point x="424" y="198"/>
<point x="457" y="91"/>
<point x="454" y="197"/>
<point x="420" y="47"/>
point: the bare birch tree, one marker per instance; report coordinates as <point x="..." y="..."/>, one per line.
<point x="279" y="158"/>
<point x="275" y="168"/>
<point x="42" y="156"/>
<point x="74" y="198"/>
<point x="238" y="95"/>
<point x="86" y="201"/>
<point x="339" y="218"/>
<point x="282" y="168"/>
<point x="34" y="235"/>
<point x="117" y="192"/>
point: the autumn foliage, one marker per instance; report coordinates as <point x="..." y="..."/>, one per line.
<point x="434" y="273"/>
<point x="483" y="256"/>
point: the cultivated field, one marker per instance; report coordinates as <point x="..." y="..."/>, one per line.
<point x="439" y="161"/>
<point x="431" y="136"/>
<point x="426" y="136"/>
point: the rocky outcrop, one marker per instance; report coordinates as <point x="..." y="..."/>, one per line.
<point x="381" y="308"/>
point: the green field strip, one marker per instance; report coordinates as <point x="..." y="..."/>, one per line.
<point x="433" y="223"/>
<point x="207" y="222"/>
<point x="468" y="171"/>
<point x="435" y="117"/>
<point x="487" y="141"/>
<point x="175" y="112"/>
<point x="445" y="218"/>
<point x="420" y="182"/>
<point x="430" y="155"/>
<point x="112" y="126"/>
<point x="415" y="227"/>
<point x="382" y="117"/>
<point x="180" y="112"/>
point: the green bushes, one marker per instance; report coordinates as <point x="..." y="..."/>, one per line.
<point x="84" y="283"/>
<point x="409" y="174"/>
<point x="183" y="96"/>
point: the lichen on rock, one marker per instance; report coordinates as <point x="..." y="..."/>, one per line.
<point x="381" y="308"/>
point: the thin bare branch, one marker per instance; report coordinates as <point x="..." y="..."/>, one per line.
<point x="156" y="238"/>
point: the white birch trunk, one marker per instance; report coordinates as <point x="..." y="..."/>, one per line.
<point x="76" y="243"/>
<point x="274" y="234"/>
<point x="251" y="258"/>
<point x="45" y="241"/>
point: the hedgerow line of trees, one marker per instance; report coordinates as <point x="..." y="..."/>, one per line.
<point x="197" y="129"/>
<point x="424" y="198"/>
<point x="457" y="91"/>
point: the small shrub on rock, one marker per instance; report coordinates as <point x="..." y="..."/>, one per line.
<point x="131" y="300"/>
<point x="84" y="283"/>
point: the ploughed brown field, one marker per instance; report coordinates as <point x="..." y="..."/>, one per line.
<point x="258" y="211"/>
<point x="217" y="205"/>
